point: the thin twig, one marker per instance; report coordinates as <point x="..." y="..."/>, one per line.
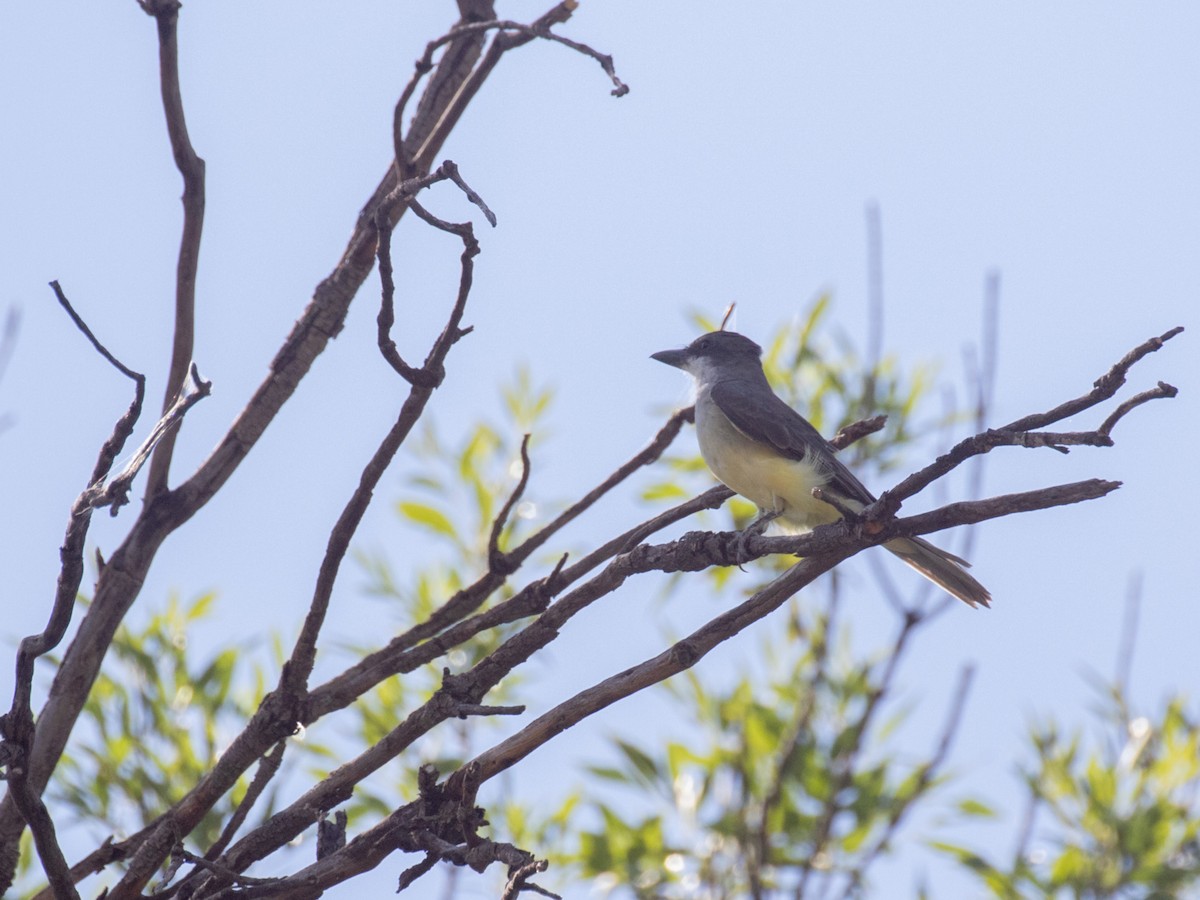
<point x="191" y="168"/>
<point x="497" y="560"/>
<point x="8" y="338"/>
<point x="404" y="195"/>
<point x="1162" y="390"/>
<point x="136" y="377"/>
<point x="266" y="771"/>
<point x="1020" y="432"/>
<point x="465" y="39"/>
<point x="1129" y="629"/>
<point x="115" y="493"/>
<point x="856" y="431"/>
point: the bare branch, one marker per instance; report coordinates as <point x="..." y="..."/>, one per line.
<point x="115" y="493"/>
<point x="136" y="377"/>
<point x="33" y="810"/>
<point x="856" y="431"/>
<point x="1105" y="386"/>
<point x="1162" y="390"/>
<point x="267" y="769"/>
<point x="497" y="560"/>
<point x="191" y="167"/>
<point x="411" y="155"/>
<point x="1019" y="433"/>
<point x="17" y="726"/>
<point x="428" y="375"/>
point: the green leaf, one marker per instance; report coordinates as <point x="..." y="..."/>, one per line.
<point x="976" y="808"/>
<point x="641" y="762"/>
<point x="431" y="518"/>
<point x="665" y="490"/>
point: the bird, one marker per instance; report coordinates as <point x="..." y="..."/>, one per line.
<point x="761" y="448"/>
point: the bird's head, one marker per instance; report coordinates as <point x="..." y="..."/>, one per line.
<point x="717" y="351"/>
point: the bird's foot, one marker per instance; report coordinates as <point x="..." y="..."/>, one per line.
<point x="754" y="529"/>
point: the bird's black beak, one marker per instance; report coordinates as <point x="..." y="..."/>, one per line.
<point x="674" y="358"/>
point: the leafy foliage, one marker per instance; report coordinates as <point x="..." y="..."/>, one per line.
<point x="1121" y="819"/>
<point x="154" y="723"/>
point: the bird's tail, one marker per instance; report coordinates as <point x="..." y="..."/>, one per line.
<point x="946" y="570"/>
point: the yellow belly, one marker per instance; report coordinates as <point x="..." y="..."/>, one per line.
<point x="770" y="481"/>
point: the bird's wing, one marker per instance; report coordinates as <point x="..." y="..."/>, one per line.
<point x="776" y="424"/>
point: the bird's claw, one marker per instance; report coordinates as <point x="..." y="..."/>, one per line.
<point x="754" y="529"/>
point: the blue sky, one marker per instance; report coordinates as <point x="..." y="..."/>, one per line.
<point x="1054" y="143"/>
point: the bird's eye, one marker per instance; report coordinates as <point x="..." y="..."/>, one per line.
<point x="703" y="344"/>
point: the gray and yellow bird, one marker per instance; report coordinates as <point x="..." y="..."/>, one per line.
<point x="764" y="450"/>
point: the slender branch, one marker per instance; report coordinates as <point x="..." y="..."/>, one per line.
<point x="1162" y="390"/>
<point x="427" y="375"/>
<point x="1105" y="386"/>
<point x="34" y="811"/>
<point x="418" y="157"/>
<point x="267" y="770"/>
<point x="191" y="167"/>
<point x="856" y="431"/>
<point x="17" y="726"/>
<point x="1020" y="432"/>
<point x="115" y="493"/>
<point x="136" y="377"/>
<point x="497" y="560"/>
